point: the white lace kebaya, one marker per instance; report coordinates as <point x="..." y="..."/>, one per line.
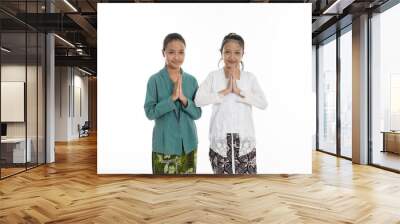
<point x="231" y="113"/>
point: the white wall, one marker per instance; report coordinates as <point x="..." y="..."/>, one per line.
<point x="61" y="103"/>
<point x="34" y="125"/>
<point x="68" y="83"/>
<point x="281" y="63"/>
<point x="12" y="73"/>
<point x="81" y="103"/>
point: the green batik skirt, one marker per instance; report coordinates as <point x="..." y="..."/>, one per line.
<point x="174" y="164"/>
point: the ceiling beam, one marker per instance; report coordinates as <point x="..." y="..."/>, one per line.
<point x="83" y="61"/>
<point x="337" y="6"/>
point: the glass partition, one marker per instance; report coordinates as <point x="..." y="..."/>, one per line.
<point x="327" y="96"/>
<point x="22" y="77"/>
<point x="346" y="94"/>
<point x="14" y="153"/>
<point x="385" y="89"/>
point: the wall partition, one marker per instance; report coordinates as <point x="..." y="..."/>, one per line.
<point x="22" y="77"/>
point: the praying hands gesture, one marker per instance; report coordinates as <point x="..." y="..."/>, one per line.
<point x="178" y="92"/>
<point x="232" y="85"/>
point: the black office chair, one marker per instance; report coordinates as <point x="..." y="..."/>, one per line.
<point x="84" y="130"/>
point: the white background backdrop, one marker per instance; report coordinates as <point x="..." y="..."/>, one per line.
<point x="277" y="50"/>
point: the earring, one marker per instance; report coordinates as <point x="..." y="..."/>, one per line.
<point x="219" y="62"/>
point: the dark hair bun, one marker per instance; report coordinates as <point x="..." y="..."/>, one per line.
<point x="171" y="37"/>
<point x="232" y="36"/>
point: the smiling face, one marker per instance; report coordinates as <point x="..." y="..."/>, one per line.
<point x="174" y="54"/>
<point x="232" y="54"/>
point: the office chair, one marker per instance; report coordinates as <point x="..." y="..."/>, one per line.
<point x="84" y="130"/>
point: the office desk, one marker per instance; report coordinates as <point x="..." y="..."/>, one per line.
<point x="391" y="141"/>
<point x="13" y="150"/>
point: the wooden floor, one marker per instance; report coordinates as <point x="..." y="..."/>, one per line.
<point x="70" y="191"/>
<point x="9" y="171"/>
<point x="5" y="172"/>
<point x="387" y="159"/>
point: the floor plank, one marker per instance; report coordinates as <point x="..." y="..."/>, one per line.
<point x="70" y="191"/>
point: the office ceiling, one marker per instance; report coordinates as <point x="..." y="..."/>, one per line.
<point x="76" y="22"/>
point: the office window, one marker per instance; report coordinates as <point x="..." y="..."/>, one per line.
<point x="327" y="96"/>
<point x="346" y="94"/>
<point x="385" y="90"/>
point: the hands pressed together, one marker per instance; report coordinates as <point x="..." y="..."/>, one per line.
<point x="232" y="85"/>
<point x="177" y="94"/>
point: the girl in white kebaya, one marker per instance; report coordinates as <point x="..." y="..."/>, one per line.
<point x="232" y="92"/>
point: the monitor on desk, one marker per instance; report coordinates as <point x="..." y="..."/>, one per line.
<point x="3" y="130"/>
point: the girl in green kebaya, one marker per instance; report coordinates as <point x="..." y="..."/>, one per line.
<point x="169" y="102"/>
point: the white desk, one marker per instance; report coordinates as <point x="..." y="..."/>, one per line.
<point x="18" y="149"/>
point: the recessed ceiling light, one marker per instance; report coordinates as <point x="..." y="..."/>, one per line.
<point x="5" y="50"/>
<point x="70" y="5"/>
<point x="338" y="6"/>
<point x="64" y="40"/>
<point x="84" y="71"/>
